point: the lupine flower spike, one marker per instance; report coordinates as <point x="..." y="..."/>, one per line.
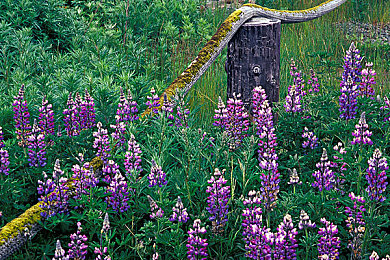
<point x="220" y="114"/>
<point x="118" y="193"/>
<point x="349" y="84"/>
<point x="102" y="143"/>
<point x="156" y="211"/>
<point x="356" y="225"/>
<point x="133" y="159"/>
<point x="101" y="251"/>
<point x="376" y="176"/>
<point x="386" y="109"/>
<point x="368" y="80"/>
<point x="197" y="246"/>
<point x="324" y="175"/>
<point x="21" y="117"/>
<point x="179" y="212"/>
<point x="311" y="141"/>
<point x="156" y="176"/>
<point x="4" y="162"/>
<point x="133" y="107"/>
<point x="78" y="248"/>
<point x="90" y="115"/>
<point x="36" y="147"/>
<point x="218" y="201"/>
<point x="305" y="221"/>
<point x="167" y="109"/>
<point x="46" y="118"/>
<point x="361" y="133"/>
<point x="294" y="178"/>
<point x="285" y="242"/>
<point x="1" y="138"/>
<point x="313" y="81"/>
<point x="153" y="102"/>
<point x="59" y="254"/>
<point x="328" y="244"/>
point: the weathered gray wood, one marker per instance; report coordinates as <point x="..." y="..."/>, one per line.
<point x="253" y="59"/>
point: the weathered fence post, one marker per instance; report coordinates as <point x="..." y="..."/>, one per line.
<point x="253" y="59"/>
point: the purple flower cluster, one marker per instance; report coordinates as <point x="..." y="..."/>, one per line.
<point x="156" y="211"/>
<point x="361" y="133"/>
<point x="156" y="176"/>
<point x="102" y="143"/>
<point x="87" y="111"/>
<point x="339" y="166"/>
<point x="101" y="251"/>
<point x="305" y="222"/>
<point x="252" y="217"/>
<point x="4" y="162"/>
<point x="218" y="201"/>
<point x="133" y="159"/>
<point x="59" y="254"/>
<point x="368" y="80"/>
<point x="375" y="256"/>
<point x="356" y="224"/>
<point x="36" y="147"/>
<point x="313" y="81"/>
<point x="21" y="117"/>
<point x="386" y="108"/>
<point x="179" y="212"/>
<point x="197" y="246"/>
<point x="78" y="248"/>
<point x="329" y="243"/>
<point x="71" y="117"/>
<point x="83" y="178"/>
<point x="299" y="82"/>
<point x="260" y="246"/>
<point x="118" y="193"/>
<point x="324" y="175"/>
<point x="350" y="82"/>
<point x="167" y="110"/>
<point x="376" y="176"/>
<point x="153" y="102"/>
<point x="233" y="119"/>
<point x="285" y="242"/>
<point x="182" y="113"/>
<point x="46" y="118"/>
<point x="262" y="114"/>
<point x="295" y="92"/>
<point x="294" y="178"/>
<point x="1" y="138"/>
<point x="312" y="140"/>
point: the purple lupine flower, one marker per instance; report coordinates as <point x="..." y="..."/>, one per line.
<point x="156" y="176"/>
<point x="109" y="170"/>
<point x="121" y="119"/>
<point x="313" y="81"/>
<point x="293" y="101"/>
<point x="376" y="176"/>
<point x="329" y="243"/>
<point x="368" y="80"/>
<point x="132" y="106"/>
<point x="59" y="254"/>
<point x="386" y="108"/>
<point x="36" y="147"/>
<point x="106" y="224"/>
<point x="100" y="252"/>
<point x="46" y="118"/>
<point x="119" y="133"/>
<point x="350" y="82"/>
<point x="361" y="133"/>
<point x="181" y="114"/>
<point x="218" y="201"/>
<point x="299" y="82"/>
<point x="167" y="110"/>
<point x="83" y="179"/>
<point x="267" y="155"/>
<point x="153" y="102"/>
<point x="252" y="217"/>
<point x="48" y="196"/>
<point x="339" y="166"/>
<point x="197" y="246"/>
<point x="356" y="224"/>
<point x="118" y="193"/>
<point x="78" y="248"/>
<point x="305" y="221"/>
<point x="260" y="246"/>
<point x="133" y="159"/>
<point x="156" y="211"/>
<point x="90" y="115"/>
<point x="220" y="114"/>
<point x="294" y="178"/>
<point x="21" y="117"/>
<point x="102" y="143"/>
<point x="324" y="175"/>
<point x="1" y="138"/>
<point x="179" y="212"/>
<point x="59" y="132"/>
<point x="61" y="188"/>
<point x="71" y="117"/>
<point x="237" y="123"/>
<point x="4" y="162"/>
<point x="374" y="256"/>
<point x="312" y="140"/>
<point x="285" y="241"/>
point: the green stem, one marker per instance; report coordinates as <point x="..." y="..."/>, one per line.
<point x="307" y="248"/>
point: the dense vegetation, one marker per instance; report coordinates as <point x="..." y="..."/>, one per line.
<point x="57" y="49"/>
